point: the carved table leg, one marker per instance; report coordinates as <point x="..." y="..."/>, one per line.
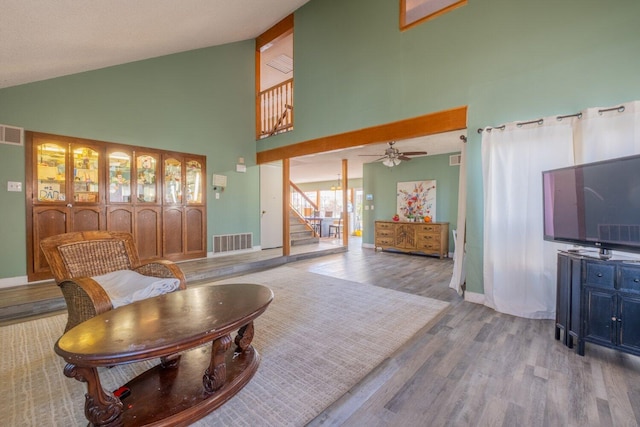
<point x="244" y="337"/>
<point x="101" y="407"/>
<point x="216" y="374"/>
<point x="171" y="361"/>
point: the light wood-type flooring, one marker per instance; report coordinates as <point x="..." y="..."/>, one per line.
<point x="477" y="367"/>
<point x="472" y="366"/>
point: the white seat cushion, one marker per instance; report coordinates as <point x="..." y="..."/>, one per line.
<point x="127" y="286"/>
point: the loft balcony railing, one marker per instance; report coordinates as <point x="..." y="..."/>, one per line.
<point x="276" y="109"/>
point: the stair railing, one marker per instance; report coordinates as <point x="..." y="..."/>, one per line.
<point x="303" y="206"/>
<point x="276" y="109"/>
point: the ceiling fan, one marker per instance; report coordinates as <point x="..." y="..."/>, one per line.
<point x="392" y="156"/>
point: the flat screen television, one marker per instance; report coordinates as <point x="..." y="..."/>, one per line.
<point x="594" y="205"/>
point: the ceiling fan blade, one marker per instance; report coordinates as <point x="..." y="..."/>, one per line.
<point x="368" y="154"/>
<point x="414" y="153"/>
<point x="403" y="157"/>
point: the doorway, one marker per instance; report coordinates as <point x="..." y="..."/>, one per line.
<point x="271" y="205"/>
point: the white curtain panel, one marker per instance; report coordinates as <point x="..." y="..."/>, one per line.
<point x="519" y="266"/>
<point x="458" y="277"/>
<point x="607" y="132"/>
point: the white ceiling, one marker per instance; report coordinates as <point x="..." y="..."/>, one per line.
<point x="42" y="39"/>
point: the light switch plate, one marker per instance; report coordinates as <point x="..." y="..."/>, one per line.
<point x="14" y="186"/>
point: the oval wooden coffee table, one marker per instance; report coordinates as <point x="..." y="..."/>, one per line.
<point x="182" y="388"/>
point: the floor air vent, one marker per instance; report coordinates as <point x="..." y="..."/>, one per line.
<point x="232" y="242"/>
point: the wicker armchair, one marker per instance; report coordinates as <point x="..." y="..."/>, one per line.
<point x="76" y="257"/>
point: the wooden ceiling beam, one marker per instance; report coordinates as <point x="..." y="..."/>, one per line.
<point x="428" y="124"/>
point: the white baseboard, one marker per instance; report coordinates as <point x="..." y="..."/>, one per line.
<point x="10" y="282"/>
<point x="368" y="245"/>
<point x="474" y="297"/>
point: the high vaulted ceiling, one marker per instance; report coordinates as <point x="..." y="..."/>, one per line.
<point x="42" y="39"/>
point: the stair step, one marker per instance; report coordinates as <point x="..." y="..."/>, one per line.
<point x="305" y="241"/>
<point x="298" y="227"/>
<point x="300" y="234"/>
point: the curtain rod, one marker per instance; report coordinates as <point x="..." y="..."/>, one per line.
<point x="619" y="109"/>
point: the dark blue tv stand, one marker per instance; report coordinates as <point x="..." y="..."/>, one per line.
<point x="598" y="301"/>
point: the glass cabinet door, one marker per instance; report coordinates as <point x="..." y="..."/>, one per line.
<point x="85" y="174"/>
<point x="172" y="181"/>
<point x="51" y="172"/>
<point x="146" y="179"/>
<point x="119" y="177"/>
<point x="194" y="182"/>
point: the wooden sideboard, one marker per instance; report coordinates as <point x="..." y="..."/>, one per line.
<point x="431" y="238"/>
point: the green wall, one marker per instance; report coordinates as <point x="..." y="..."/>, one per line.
<point x="196" y="102"/>
<point x="505" y="59"/>
<point x="381" y="182"/>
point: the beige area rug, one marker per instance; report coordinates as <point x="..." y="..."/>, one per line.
<point x="318" y="338"/>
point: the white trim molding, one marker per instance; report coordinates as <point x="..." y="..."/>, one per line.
<point x="474" y="297"/>
<point x="11" y="282"/>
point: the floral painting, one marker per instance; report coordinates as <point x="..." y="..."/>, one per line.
<point x="417" y="199"/>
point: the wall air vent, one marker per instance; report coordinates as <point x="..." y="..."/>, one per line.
<point x="454" y="159"/>
<point x="11" y="135"/>
<point x="232" y="242"/>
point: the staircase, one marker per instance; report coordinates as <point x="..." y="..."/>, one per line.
<point x="299" y="231"/>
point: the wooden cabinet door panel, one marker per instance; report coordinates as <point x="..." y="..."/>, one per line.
<point x="48" y="221"/>
<point x="120" y="218"/>
<point x="405" y="236"/>
<point x="601" y="309"/>
<point x="172" y="232"/>
<point x="148" y="232"/>
<point x="87" y="218"/>
<point x="195" y="233"/>
<point x="629" y="330"/>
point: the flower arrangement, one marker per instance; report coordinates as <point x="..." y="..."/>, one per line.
<point x="417" y="202"/>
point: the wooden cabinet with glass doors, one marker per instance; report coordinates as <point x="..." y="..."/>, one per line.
<point x="148" y="205"/>
<point x="184" y="213"/>
<point x="80" y="185"/>
<point x="64" y="194"/>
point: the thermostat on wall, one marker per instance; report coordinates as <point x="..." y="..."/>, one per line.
<point x="219" y="182"/>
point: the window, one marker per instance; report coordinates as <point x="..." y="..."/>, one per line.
<point x="413" y="12"/>
<point x="330" y="203"/>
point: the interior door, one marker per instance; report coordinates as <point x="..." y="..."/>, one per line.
<point x="271" y="205"/>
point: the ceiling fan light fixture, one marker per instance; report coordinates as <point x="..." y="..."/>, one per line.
<point x="396" y="161"/>
<point x="388" y="162"/>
